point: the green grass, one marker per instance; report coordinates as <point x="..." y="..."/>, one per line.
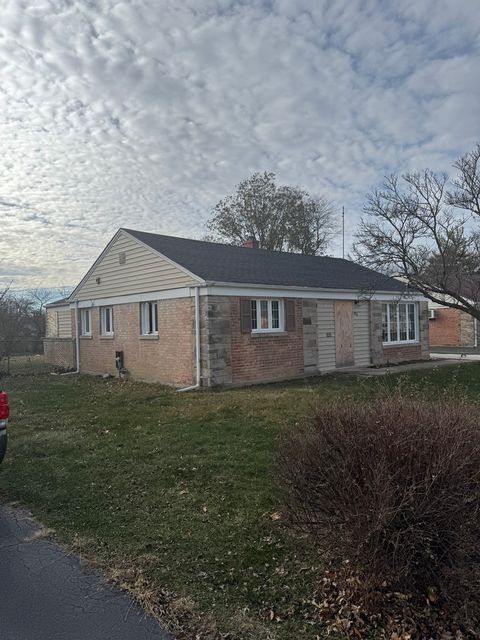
<point x="180" y="486"/>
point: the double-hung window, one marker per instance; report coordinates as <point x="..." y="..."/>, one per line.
<point x="267" y="315"/>
<point x="85" y="322"/>
<point x="106" y="321"/>
<point x="399" y="322"/>
<point x="148" y="319"/>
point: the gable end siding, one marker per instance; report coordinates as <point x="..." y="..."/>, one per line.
<point x="129" y="267"/>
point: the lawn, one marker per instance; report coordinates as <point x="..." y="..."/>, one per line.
<point x="174" y="494"/>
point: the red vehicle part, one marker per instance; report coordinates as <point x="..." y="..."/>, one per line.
<point x="4" y="414"/>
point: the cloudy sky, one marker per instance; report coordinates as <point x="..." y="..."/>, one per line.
<point x="144" y="113"/>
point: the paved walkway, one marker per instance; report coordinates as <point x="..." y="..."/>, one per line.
<point x="46" y="594"/>
<point x="439" y="360"/>
<point x="456" y="353"/>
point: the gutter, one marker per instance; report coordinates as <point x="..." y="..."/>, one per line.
<point x="195" y="386"/>
<point x="77" y="345"/>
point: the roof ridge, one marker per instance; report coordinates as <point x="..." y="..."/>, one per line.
<point x="235" y="246"/>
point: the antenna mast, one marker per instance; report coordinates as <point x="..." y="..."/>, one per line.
<point x="343" y="232"/>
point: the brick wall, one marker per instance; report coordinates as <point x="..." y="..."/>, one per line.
<point x="60" y="352"/>
<point x="445" y="330"/>
<point x="393" y="355"/>
<point x="383" y="354"/>
<point x="168" y="358"/>
<point x="264" y="357"/>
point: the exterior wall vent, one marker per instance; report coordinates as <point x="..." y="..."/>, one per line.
<point x="122" y="257"/>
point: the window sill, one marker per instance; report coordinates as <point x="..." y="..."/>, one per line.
<point x="107" y="337"/>
<point x="149" y="337"/>
<point x="85" y="337"/>
<point x="266" y="334"/>
<point x="402" y="343"/>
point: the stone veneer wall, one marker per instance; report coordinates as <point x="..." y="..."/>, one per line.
<point x="216" y="344"/>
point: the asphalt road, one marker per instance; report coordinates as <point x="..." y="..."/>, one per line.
<point x="46" y="594"/>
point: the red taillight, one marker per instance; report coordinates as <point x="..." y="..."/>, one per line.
<point x="4" y="408"/>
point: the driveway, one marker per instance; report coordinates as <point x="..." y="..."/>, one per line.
<point x="46" y="594"/>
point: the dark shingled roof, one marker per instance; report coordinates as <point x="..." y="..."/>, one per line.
<point x="57" y="303"/>
<point x="215" y="262"/>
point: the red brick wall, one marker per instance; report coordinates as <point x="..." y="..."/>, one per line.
<point x="402" y="353"/>
<point x="445" y="330"/>
<point x="264" y="357"/>
<point x="168" y="359"/>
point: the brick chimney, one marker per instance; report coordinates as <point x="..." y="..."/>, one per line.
<point x="250" y="243"/>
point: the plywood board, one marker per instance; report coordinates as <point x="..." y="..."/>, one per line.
<point x="344" y="333"/>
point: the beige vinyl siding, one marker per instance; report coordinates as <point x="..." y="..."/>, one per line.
<point x="326" y="335"/>
<point x="361" y="334"/>
<point x="64" y="322"/>
<point x="143" y="271"/>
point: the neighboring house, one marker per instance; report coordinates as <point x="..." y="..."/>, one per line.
<point x="452" y="327"/>
<point x="186" y="312"/>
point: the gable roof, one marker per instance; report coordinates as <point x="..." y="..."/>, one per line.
<point x="58" y="303"/>
<point x="221" y="263"/>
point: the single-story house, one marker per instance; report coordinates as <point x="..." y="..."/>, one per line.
<point x="187" y="312"/>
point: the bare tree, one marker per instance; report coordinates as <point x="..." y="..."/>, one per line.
<point x="281" y="218"/>
<point x="15" y="324"/>
<point x="418" y="228"/>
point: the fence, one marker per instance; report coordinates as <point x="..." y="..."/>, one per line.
<point x="22" y="356"/>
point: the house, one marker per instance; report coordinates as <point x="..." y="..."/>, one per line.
<point x="186" y="313"/>
<point x="451" y="327"/>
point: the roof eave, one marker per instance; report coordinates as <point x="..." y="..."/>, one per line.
<point x="365" y="292"/>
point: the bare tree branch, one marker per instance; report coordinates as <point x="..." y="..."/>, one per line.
<point x="417" y="228"/>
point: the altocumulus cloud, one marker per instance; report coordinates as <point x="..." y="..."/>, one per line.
<point x="144" y="113"/>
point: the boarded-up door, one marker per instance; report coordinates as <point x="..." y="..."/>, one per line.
<point x="344" y="333"/>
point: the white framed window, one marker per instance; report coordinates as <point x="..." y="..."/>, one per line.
<point x="267" y="315"/>
<point x="106" y="321"/>
<point x="85" y="322"/>
<point x="148" y="319"/>
<point x="399" y="322"/>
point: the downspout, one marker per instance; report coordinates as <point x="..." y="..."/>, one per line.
<point x="77" y="345"/>
<point x="197" y="344"/>
<point x="475" y="332"/>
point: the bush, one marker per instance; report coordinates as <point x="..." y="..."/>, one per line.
<point x="393" y="485"/>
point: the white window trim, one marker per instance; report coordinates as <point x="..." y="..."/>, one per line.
<point x="103" y="312"/>
<point x="393" y="343"/>
<point x="145" y="318"/>
<point x="281" y="315"/>
<point x="83" y="314"/>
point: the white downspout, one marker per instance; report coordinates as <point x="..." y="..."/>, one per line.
<point x="475" y="332"/>
<point x="197" y="344"/>
<point x="77" y="345"/>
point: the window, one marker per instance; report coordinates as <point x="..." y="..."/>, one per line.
<point x="148" y="318"/>
<point x="85" y="324"/>
<point x="399" y="322"/>
<point x="106" y="321"/>
<point x="267" y="315"/>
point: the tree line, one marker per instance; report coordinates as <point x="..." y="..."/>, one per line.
<point x="22" y="320"/>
